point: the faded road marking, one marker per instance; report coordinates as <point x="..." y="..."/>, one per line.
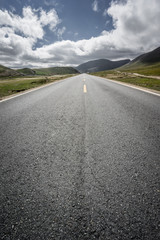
<point x="84" y="88"/>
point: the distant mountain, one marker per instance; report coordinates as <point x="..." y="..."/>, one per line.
<point x="26" y="71"/>
<point x="147" y="64"/>
<point x="55" y="71"/>
<point x="100" y="65"/>
<point x="145" y="60"/>
<point x="148" y="58"/>
<point x="8" y="72"/>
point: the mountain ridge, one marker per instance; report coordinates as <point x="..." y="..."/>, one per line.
<point x="9" y="72"/>
<point x="149" y="58"/>
<point x="100" y="65"/>
<point x="55" y="70"/>
<point x="147" y="63"/>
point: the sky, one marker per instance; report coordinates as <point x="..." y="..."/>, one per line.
<point x="47" y="33"/>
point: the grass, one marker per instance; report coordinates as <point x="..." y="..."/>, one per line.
<point x="26" y="71"/>
<point x="144" y="69"/>
<point x="143" y="82"/>
<point x="4" y="71"/>
<point x="129" y="77"/>
<point x="9" y="87"/>
<point x="55" y="71"/>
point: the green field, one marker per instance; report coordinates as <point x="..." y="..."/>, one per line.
<point x="55" y="71"/>
<point x="6" y="72"/>
<point x="129" y="77"/>
<point x="143" y="82"/>
<point x="9" y="87"/>
<point x="145" y="69"/>
<point x="26" y="71"/>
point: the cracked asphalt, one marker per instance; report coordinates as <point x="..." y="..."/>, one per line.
<point x="80" y="165"/>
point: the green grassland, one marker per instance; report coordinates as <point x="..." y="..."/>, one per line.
<point x="9" y="87"/>
<point x="2" y="68"/>
<point x="55" y="71"/>
<point x="129" y="77"/>
<point x="26" y="71"/>
<point x="14" y="81"/>
<point x="141" y="68"/>
<point x="142" y="82"/>
<point x="6" y="72"/>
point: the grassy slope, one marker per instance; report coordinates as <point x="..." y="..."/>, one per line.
<point x="100" y="65"/>
<point x="12" y="81"/>
<point x="2" y="68"/>
<point x="9" y="87"/>
<point x="145" y="64"/>
<point x="55" y="71"/>
<point x="141" y="68"/>
<point x="6" y="72"/>
<point x="26" y="71"/>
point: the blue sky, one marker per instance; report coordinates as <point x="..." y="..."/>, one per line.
<point x="35" y="33"/>
<point x="77" y="16"/>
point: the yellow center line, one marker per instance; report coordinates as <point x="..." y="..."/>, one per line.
<point x="84" y="88"/>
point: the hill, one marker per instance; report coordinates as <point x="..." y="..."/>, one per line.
<point x="55" y="71"/>
<point x="149" y="58"/>
<point x="142" y="71"/>
<point x="26" y="71"/>
<point x="147" y="64"/>
<point x="100" y="65"/>
<point x="8" y="72"/>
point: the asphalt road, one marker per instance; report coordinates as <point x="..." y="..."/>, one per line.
<point x="80" y="160"/>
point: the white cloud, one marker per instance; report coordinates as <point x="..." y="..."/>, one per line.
<point x="60" y="32"/>
<point x="95" y="6"/>
<point x="30" y="24"/>
<point x="18" y="35"/>
<point x="49" y="18"/>
<point x="136" y="30"/>
<point x="49" y="3"/>
<point x="136" y="24"/>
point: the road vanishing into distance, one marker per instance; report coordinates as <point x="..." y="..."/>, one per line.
<point x="80" y="160"/>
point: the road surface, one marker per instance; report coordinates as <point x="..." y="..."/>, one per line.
<point x="80" y="160"/>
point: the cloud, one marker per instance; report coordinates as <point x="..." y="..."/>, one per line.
<point x="12" y="9"/>
<point x="18" y="34"/>
<point x="95" y="6"/>
<point x="136" y="30"/>
<point x="60" y="32"/>
<point x="49" y="18"/>
<point x="49" y="3"/>
<point x="107" y="22"/>
<point x="30" y="24"/>
<point x="136" y="24"/>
